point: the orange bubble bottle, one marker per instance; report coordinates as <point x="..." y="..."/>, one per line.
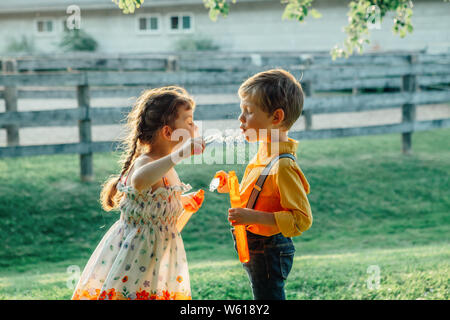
<point x="184" y="217"/>
<point x="240" y="232"/>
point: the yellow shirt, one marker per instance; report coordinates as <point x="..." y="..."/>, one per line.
<point x="283" y="193"/>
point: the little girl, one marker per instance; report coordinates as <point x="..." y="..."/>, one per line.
<point x="142" y="255"/>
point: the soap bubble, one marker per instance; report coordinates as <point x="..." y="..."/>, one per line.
<point x="229" y="136"/>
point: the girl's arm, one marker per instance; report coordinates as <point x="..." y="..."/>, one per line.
<point x="147" y="175"/>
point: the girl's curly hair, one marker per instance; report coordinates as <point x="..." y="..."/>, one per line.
<point x="154" y="109"/>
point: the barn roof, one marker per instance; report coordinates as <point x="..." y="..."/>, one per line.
<point x="11" y="6"/>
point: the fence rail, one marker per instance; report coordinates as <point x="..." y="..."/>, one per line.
<point x="412" y="79"/>
<point x="157" y="78"/>
<point x="314" y="105"/>
<point x="216" y="61"/>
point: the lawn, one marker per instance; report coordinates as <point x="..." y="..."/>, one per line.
<point x="381" y="223"/>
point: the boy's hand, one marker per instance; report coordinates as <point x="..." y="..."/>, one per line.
<point x="241" y="216"/>
<point x="223" y="186"/>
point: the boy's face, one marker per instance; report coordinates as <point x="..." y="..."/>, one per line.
<point x="255" y="123"/>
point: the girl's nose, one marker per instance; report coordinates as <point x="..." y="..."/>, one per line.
<point x="241" y="117"/>
<point x="195" y="130"/>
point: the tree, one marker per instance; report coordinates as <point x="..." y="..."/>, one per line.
<point x="363" y="15"/>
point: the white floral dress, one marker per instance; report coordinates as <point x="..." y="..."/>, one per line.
<point x="142" y="255"/>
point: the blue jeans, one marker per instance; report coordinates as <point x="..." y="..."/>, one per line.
<point x="270" y="262"/>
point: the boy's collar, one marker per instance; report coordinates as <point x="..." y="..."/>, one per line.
<point x="267" y="150"/>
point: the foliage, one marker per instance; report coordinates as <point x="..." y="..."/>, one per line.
<point x="77" y="40"/>
<point x="298" y="10"/>
<point x="361" y="15"/>
<point x="128" y="6"/>
<point x="217" y="7"/>
<point x="196" y="43"/>
<point x="24" y="45"/>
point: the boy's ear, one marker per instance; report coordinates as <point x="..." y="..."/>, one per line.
<point x="278" y="116"/>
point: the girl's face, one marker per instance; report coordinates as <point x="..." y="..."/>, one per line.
<point x="185" y="122"/>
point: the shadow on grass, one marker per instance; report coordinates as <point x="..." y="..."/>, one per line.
<point x="365" y="195"/>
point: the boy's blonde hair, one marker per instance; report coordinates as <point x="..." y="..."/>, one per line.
<point x="273" y="89"/>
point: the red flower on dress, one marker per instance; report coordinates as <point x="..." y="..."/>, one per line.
<point x="142" y="295"/>
<point x="111" y="294"/>
<point x="102" y="295"/>
<point x="166" y="295"/>
<point x="125" y="279"/>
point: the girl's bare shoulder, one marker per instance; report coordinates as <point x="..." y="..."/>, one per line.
<point x="142" y="160"/>
<point x="139" y="162"/>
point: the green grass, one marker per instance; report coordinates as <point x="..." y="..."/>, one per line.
<point x="371" y="206"/>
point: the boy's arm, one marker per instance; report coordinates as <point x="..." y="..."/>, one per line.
<point x="293" y="188"/>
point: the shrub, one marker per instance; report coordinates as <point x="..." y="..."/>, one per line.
<point x="77" y="40"/>
<point x="24" y="45"/>
<point x="196" y="43"/>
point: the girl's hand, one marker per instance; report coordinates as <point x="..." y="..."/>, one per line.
<point x="188" y="202"/>
<point x="193" y="146"/>
<point x="223" y="186"/>
<point x="238" y="216"/>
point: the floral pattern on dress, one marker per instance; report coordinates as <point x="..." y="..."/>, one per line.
<point x="142" y="256"/>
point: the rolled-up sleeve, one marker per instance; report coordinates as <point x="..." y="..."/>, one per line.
<point x="293" y="187"/>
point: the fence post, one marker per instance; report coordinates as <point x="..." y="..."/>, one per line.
<point x="409" y="84"/>
<point x="10" y="96"/>
<point x="355" y="90"/>
<point x="172" y="63"/>
<point x="85" y="134"/>
<point x="308" y="90"/>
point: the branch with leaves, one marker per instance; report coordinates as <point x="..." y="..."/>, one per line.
<point x="363" y="15"/>
<point x="368" y="14"/>
<point x="128" y="6"/>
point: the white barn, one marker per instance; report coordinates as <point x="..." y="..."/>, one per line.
<point x="252" y="25"/>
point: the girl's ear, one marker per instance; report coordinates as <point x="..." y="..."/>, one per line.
<point x="166" y="132"/>
<point x="278" y="116"/>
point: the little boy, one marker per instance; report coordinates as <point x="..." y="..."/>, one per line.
<point x="271" y="101"/>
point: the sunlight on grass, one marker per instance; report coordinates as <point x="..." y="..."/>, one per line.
<point x="372" y="206"/>
<point x="408" y="273"/>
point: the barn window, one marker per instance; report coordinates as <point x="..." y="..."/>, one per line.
<point x="182" y="22"/>
<point x="149" y="24"/>
<point x="45" y="26"/>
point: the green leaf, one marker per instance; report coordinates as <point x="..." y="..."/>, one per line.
<point x="316" y="14"/>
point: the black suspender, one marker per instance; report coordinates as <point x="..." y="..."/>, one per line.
<point x="262" y="178"/>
